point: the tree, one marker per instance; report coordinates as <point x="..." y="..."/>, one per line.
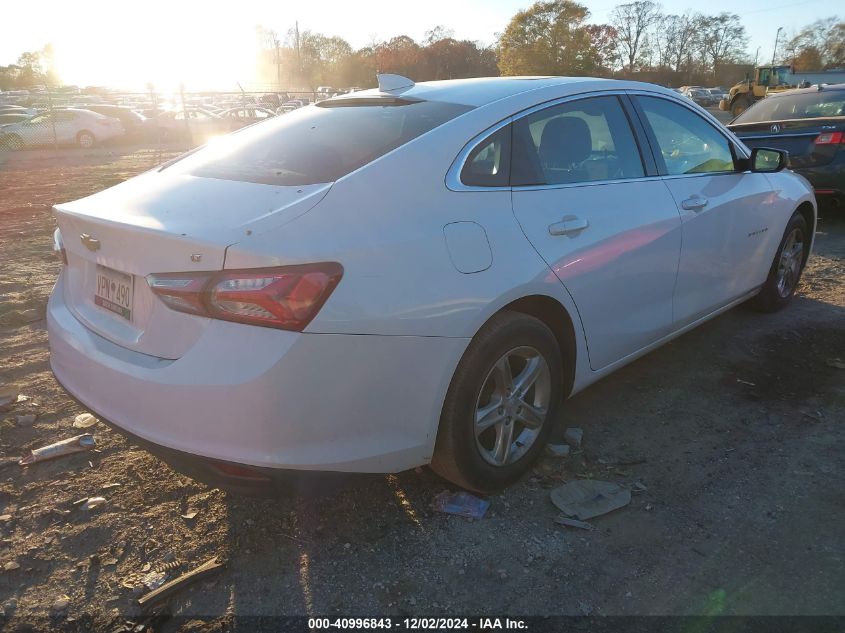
<point x="677" y="36"/>
<point x="819" y="45"/>
<point x="603" y="40"/>
<point x="722" y="39"/>
<point x="632" y="22"/>
<point x="548" y="38"/>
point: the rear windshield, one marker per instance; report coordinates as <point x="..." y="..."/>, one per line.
<point x="806" y="105"/>
<point x="315" y="144"/>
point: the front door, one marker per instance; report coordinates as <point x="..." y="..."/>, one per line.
<point x="726" y="213"/>
<point x="610" y="233"/>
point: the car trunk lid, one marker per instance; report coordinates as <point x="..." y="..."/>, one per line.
<point x="796" y="136"/>
<point x="159" y="223"/>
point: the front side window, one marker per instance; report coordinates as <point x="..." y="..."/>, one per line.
<point x="586" y="140"/>
<point x="686" y="143"/>
<point x="317" y="145"/>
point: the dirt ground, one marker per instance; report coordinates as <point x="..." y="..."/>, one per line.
<point x="735" y="430"/>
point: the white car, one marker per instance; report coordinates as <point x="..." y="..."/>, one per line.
<point x="63" y="126"/>
<point x="411" y="275"/>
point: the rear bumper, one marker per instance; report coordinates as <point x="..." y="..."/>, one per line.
<point x="266" y="398"/>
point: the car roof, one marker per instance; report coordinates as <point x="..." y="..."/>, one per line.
<point x="812" y="89"/>
<point x="483" y="90"/>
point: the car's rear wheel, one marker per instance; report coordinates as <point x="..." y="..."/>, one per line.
<point x="785" y="272"/>
<point x="85" y="139"/>
<point x="501" y="404"/>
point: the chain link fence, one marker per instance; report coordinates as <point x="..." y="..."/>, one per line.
<point x="58" y="121"/>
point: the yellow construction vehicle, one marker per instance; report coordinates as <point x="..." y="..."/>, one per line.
<point x="767" y="79"/>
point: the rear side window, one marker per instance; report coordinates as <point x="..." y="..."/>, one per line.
<point x="686" y="143"/>
<point x="586" y="140"/>
<point x="488" y="165"/>
<point x="315" y="145"/>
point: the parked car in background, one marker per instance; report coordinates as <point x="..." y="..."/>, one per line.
<point x="64" y="126"/>
<point x="242" y="116"/>
<point x="415" y="274"/>
<point x="716" y="95"/>
<point x="132" y="121"/>
<point x="7" y="117"/>
<point x="809" y="123"/>
<point x="16" y="109"/>
<point x="701" y="96"/>
<point x="198" y="123"/>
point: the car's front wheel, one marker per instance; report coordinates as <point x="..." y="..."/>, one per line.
<point x="501" y="404"/>
<point x="785" y="272"/>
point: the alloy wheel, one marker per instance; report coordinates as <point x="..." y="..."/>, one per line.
<point x="789" y="265"/>
<point x="512" y="406"/>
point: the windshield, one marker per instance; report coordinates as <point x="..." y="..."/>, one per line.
<point x="806" y="105"/>
<point x="316" y="144"/>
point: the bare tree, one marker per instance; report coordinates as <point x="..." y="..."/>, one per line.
<point x="722" y="39"/>
<point x="676" y="35"/>
<point x="632" y="22"/>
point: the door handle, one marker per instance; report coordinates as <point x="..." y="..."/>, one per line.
<point x="696" y="203"/>
<point x="568" y="225"/>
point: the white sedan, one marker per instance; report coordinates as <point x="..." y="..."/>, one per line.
<point x="64" y="126"/>
<point x="418" y="274"/>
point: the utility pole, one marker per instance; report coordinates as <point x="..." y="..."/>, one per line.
<point x="278" y="63"/>
<point x="774" y="52"/>
<point x="756" y="56"/>
<point x="298" y="57"/>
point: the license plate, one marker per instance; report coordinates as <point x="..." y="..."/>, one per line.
<point x="114" y="291"/>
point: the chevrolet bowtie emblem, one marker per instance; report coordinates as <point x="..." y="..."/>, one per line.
<point x="91" y="243"/>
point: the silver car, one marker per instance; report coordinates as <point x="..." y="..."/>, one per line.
<point x="65" y="126"/>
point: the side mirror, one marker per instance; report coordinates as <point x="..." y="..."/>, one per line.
<point x="765" y="160"/>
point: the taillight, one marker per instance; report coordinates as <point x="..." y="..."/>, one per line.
<point x="59" y="247"/>
<point x="287" y="297"/>
<point x="831" y="138"/>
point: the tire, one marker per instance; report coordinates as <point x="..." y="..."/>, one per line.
<point x="785" y="272"/>
<point x="740" y="105"/>
<point x="515" y="343"/>
<point x="85" y="139"/>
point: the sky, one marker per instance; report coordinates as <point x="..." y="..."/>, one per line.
<point x="210" y="42"/>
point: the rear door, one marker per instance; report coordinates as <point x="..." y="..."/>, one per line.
<point x="729" y="221"/>
<point x="583" y="194"/>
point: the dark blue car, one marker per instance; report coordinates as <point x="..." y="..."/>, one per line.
<point x="809" y="123"/>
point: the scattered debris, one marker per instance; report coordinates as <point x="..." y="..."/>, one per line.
<point x="573" y="437"/>
<point x="154" y="580"/>
<point x="190" y="515"/>
<point x="8" y="394"/>
<point x="26" y="420"/>
<point x="93" y="503"/>
<point x="461" y="503"/>
<point x="5" y="517"/>
<point x="588" y="498"/>
<point x="60" y="605"/>
<point x="176" y="584"/>
<point x="836" y="362"/>
<point x="84" y="421"/>
<point x="110" y="486"/>
<point x="638" y="486"/>
<point x="649" y="507"/>
<point x="11" y="566"/>
<point x="745" y="382"/>
<point x="59" y="449"/>
<point x="558" y="450"/>
<point x="575" y="523"/>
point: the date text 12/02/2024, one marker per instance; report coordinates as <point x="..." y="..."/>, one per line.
<point x="436" y="624"/>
